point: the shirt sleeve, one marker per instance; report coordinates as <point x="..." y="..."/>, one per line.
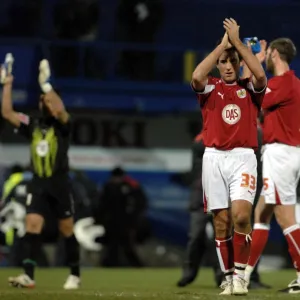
<point x="257" y="95"/>
<point x="277" y="92"/>
<point x="65" y="129"/>
<point x="202" y="96"/>
<point x="26" y="125"/>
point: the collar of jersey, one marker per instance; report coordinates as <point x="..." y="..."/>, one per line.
<point x="229" y="84"/>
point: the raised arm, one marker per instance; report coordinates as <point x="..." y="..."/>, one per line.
<point x="199" y="78"/>
<point x="7" y="110"/>
<point x="261" y="56"/>
<point x="51" y="99"/>
<point x="259" y="79"/>
<point x="56" y="107"/>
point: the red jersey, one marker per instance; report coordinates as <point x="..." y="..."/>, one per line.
<point x="281" y="107"/>
<point x="229" y="114"/>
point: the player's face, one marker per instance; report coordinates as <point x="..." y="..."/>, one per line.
<point x="229" y="66"/>
<point x="43" y="108"/>
<point x="269" y="61"/>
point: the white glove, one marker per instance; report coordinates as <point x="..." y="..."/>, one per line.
<point x="86" y="232"/>
<point x="6" y="68"/>
<point x="44" y="76"/>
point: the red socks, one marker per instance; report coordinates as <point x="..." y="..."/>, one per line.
<point x="241" y="247"/>
<point x="292" y="235"/>
<point x="260" y="236"/>
<point x="225" y="255"/>
<point x="233" y="254"/>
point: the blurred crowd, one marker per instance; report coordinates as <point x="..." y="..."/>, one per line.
<point x="112" y="218"/>
<point x="136" y="21"/>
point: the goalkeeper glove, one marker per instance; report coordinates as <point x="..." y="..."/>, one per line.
<point x="6" y="68"/>
<point x="44" y="76"/>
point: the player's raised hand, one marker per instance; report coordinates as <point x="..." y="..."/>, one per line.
<point x="261" y="56"/>
<point x="6" y="69"/>
<point x="44" y="76"/>
<point x="225" y="41"/>
<point x="232" y="29"/>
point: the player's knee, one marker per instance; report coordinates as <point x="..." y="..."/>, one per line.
<point x="263" y="216"/>
<point x="66" y="227"/>
<point x="34" y="223"/>
<point x="241" y="219"/>
<point x="241" y="215"/>
<point x="285" y="216"/>
<point x="263" y="212"/>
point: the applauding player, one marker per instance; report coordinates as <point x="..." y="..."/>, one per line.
<point x="49" y="138"/>
<point x="281" y="156"/>
<point x="230" y="108"/>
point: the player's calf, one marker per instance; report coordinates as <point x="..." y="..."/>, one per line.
<point x="241" y="214"/>
<point x="224" y="247"/>
<point x="286" y="218"/>
<point x="32" y="243"/>
<point x="262" y="218"/>
<point x="72" y="253"/>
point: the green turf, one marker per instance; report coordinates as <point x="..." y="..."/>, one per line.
<point x="131" y="284"/>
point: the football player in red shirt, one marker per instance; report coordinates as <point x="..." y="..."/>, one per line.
<point x="281" y="156"/>
<point x="230" y="108"/>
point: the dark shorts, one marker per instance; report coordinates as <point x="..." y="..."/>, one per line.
<point x="50" y="196"/>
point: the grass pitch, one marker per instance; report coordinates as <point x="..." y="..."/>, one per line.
<point x="130" y="284"/>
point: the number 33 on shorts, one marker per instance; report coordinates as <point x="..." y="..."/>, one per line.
<point x="248" y="181"/>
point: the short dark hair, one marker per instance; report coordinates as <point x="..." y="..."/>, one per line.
<point x="285" y="47"/>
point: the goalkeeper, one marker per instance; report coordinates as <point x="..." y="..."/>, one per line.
<point x="50" y="188"/>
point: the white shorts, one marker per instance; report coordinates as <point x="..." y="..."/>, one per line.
<point x="281" y="172"/>
<point x="228" y="176"/>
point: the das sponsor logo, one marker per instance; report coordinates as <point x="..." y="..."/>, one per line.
<point x="241" y="93"/>
<point x="231" y="114"/>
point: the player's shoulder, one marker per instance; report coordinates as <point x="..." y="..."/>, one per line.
<point x="277" y="81"/>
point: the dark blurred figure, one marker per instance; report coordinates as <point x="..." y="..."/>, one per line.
<point x="75" y="20"/>
<point x="138" y="21"/>
<point x="122" y="206"/>
<point x="85" y="194"/>
<point x="199" y="243"/>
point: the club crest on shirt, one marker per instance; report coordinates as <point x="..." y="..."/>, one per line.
<point x="231" y="114"/>
<point x="42" y="148"/>
<point x="241" y="93"/>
